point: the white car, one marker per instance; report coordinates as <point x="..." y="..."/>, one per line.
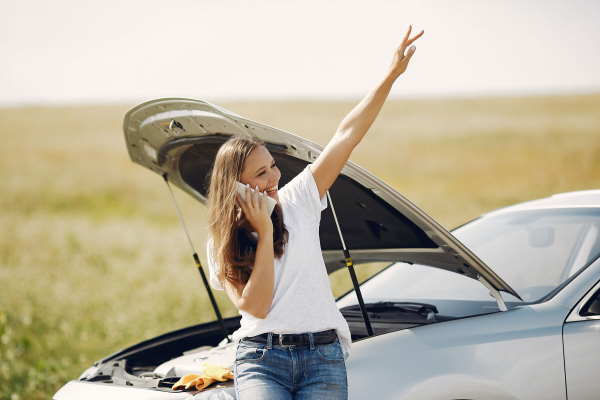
<point x="437" y="323"/>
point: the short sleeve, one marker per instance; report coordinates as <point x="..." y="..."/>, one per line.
<point x="212" y="267"/>
<point x="303" y="192"/>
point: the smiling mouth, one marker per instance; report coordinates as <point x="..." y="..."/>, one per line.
<point x="272" y="190"/>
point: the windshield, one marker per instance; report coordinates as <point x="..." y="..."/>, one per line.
<point x="536" y="250"/>
<point x="533" y="251"/>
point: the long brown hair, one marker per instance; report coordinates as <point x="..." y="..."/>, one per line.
<point x="234" y="247"/>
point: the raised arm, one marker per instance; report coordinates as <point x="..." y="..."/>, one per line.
<point x="355" y="125"/>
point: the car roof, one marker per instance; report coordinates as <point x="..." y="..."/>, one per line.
<point x="576" y="199"/>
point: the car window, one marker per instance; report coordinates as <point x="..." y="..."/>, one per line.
<point x="535" y="251"/>
<point x="415" y="282"/>
<point x="586" y="250"/>
<point x="592" y="307"/>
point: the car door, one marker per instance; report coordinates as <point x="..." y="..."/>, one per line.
<point x="581" y="335"/>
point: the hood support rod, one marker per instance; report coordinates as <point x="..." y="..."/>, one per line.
<point x="350" y="266"/>
<point x="198" y="264"/>
<point x="494" y="293"/>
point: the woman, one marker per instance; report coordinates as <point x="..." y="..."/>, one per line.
<point x="293" y="341"/>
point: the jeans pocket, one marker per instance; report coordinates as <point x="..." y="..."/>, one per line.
<point x="331" y="351"/>
<point x="249" y="352"/>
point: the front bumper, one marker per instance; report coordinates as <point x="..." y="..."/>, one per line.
<point x="77" y="390"/>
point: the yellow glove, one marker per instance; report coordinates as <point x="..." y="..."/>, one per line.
<point x="217" y="372"/>
<point x="210" y="374"/>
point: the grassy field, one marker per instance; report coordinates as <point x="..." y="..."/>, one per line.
<point x="92" y="257"/>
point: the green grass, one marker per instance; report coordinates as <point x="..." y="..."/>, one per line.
<point x="92" y="257"/>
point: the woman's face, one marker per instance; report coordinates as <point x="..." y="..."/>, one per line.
<point x="260" y="169"/>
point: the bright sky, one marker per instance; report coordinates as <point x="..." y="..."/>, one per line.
<point x="135" y="50"/>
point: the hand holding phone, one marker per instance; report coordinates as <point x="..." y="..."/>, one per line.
<point x="241" y="189"/>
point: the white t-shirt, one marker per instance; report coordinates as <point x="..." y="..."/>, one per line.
<point x="302" y="297"/>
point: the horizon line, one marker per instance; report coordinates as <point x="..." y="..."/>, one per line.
<point x="488" y="94"/>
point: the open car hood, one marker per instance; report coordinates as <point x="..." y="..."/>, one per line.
<point x="178" y="139"/>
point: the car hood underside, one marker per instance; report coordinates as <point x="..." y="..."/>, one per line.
<point x="179" y="138"/>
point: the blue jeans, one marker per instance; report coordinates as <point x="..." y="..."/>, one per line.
<point x="274" y="371"/>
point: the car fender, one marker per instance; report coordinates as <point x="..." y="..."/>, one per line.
<point x="515" y="354"/>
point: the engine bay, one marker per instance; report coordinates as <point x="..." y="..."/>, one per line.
<point x="159" y="362"/>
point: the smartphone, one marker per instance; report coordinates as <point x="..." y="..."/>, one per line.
<point x="241" y="188"/>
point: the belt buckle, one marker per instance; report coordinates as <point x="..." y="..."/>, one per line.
<point x="280" y="338"/>
<point x="290" y="342"/>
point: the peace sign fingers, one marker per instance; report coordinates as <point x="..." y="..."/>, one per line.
<point x="407" y="42"/>
<point x="400" y="61"/>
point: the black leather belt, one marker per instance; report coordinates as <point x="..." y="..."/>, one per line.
<point x="300" y="339"/>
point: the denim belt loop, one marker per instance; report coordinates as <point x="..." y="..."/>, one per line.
<point x="269" y="340"/>
<point x="311" y="340"/>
